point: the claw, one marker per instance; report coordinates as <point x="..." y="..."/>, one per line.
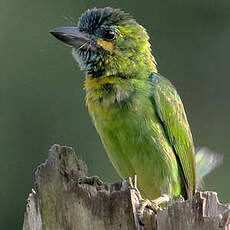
<point x="153" y="205"/>
<point x="143" y="205"/>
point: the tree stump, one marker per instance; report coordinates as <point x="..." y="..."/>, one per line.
<point x="59" y="202"/>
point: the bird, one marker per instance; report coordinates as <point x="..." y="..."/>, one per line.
<point x="137" y="112"/>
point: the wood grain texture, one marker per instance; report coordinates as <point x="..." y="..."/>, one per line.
<point x="59" y="202"/>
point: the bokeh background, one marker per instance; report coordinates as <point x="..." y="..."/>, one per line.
<point x="42" y="100"/>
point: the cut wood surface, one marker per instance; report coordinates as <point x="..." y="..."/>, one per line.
<point x="59" y="201"/>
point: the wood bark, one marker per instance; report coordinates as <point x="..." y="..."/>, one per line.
<point x="59" y="202"/>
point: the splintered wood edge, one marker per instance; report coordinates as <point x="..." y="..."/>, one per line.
<point x="62" y="159"/>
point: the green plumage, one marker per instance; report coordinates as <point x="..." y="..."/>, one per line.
<point x="137" y="112"/>
<point x="134" y="123"/>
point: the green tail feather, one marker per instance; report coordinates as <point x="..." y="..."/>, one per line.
<point x="206" y="161"/>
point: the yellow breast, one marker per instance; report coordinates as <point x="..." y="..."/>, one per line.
<point x="98" y="99"/>
<point x="97" y="83"/>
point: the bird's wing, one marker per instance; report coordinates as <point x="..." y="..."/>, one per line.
<point x="171" y="112"/>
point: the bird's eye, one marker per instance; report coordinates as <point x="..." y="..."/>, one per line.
<point x="109" y="35"/>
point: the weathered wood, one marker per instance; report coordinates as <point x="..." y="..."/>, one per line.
<point x="59" y="202"/>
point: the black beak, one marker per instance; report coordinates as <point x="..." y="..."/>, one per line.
<point x="72" y="36"/>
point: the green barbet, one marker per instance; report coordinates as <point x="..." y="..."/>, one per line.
<point x="136" y="111"/>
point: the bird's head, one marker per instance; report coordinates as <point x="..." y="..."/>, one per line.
<point x="108" y="42"/>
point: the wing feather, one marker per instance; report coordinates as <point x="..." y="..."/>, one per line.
<point x="174" y="121"/>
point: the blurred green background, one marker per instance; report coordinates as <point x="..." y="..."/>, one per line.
<point x="42" y="100"/>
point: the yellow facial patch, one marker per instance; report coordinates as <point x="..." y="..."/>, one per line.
<point x="105" y="44"/>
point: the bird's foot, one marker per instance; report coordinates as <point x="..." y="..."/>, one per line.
<point x="93" y="180"/>
<point x="153" y="205"/>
